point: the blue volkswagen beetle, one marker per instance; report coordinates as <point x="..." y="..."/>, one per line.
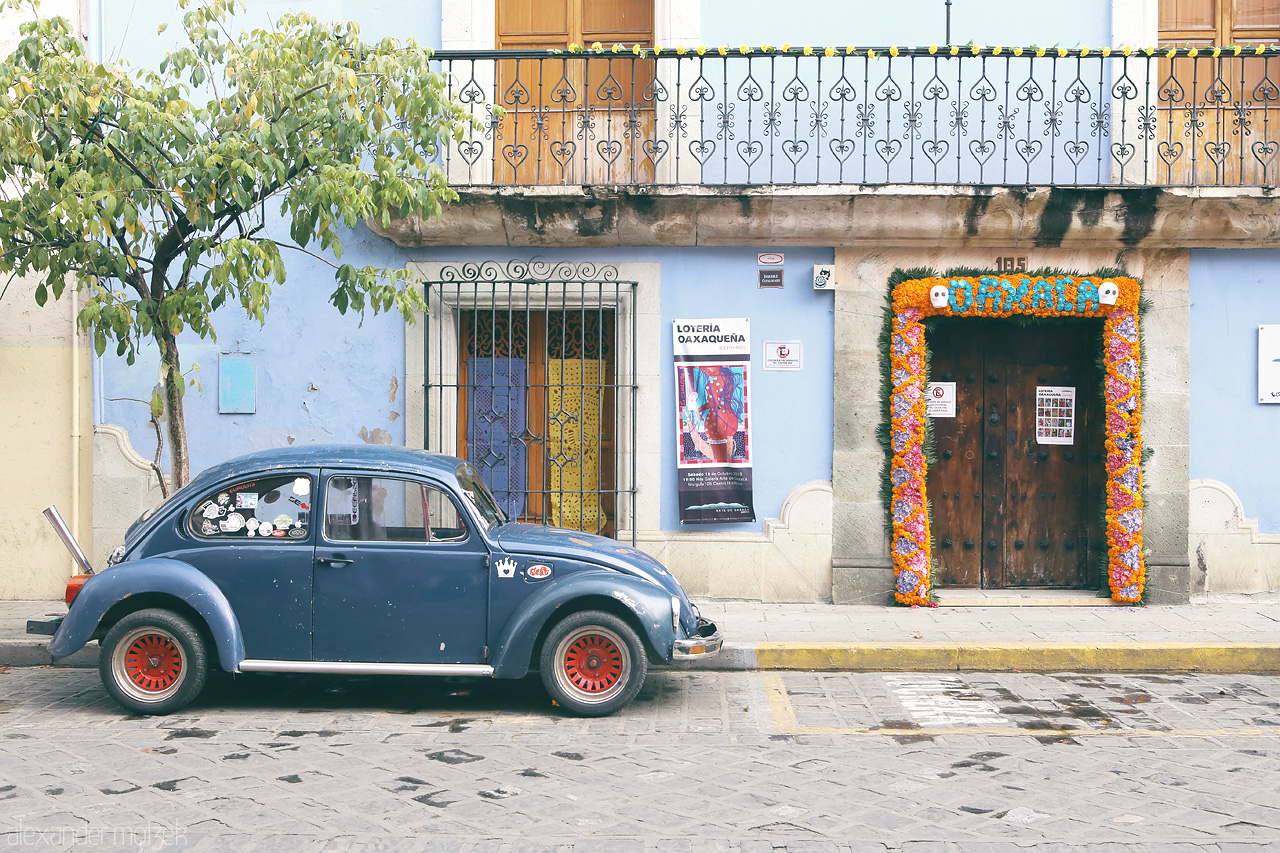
<point x="370" y="560"/>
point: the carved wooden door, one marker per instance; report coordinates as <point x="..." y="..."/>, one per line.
<point x="1017" y="485"/>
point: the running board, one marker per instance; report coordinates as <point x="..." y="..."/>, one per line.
<point x="358" y="668"/>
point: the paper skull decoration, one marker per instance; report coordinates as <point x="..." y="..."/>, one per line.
<point x="939" y="295"/>
<point x="1108" y="292"/>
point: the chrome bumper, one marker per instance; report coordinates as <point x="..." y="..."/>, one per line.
<point x="698" y="647"/>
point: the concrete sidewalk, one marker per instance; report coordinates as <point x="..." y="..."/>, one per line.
<point x="1034" y="633"/>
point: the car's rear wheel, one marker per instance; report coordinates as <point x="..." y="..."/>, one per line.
<point x="153" y="662"/>
<point x="593" y="663"/>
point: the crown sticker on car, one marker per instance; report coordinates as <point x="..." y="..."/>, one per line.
<point x="506" y="568"/>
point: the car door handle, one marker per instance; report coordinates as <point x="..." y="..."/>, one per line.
<point x="335" y="562"/>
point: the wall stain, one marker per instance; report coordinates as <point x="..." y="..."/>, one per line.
<point x="377" y="436"/>
<point x="395" y="388"/>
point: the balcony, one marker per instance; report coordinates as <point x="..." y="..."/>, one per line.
<point x="564" y="137"/>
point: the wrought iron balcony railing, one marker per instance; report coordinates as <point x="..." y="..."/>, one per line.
<point x="904" y="116"/>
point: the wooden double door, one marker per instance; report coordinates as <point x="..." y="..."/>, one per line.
<point x="1017" y="486"/>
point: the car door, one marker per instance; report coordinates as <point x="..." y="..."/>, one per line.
<point x="400" y="575"/>
<point x="254" y="538"/>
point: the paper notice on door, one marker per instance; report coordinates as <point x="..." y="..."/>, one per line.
<point x="1055" y="414"/>
<point x="940" y="400"/>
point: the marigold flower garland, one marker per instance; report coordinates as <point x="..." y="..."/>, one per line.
<point x="1002" y="295"/>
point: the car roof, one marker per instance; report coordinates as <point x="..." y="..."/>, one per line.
<point x="406" y="460"/>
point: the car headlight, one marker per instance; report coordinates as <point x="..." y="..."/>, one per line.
<point x="675" y="613"/>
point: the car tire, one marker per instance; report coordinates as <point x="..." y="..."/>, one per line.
<point x="153" y="662"/>
<point x="593" y="663"/>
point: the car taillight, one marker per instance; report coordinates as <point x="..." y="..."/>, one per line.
<point x="73" y="587"/>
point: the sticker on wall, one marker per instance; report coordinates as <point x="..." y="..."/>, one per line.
<point x="940" y="400"/>
<point x="1055" y="414"/>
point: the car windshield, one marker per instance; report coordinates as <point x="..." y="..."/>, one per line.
<point x="479" y="496"/>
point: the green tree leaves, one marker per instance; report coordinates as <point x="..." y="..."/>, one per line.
<point x="148" y="190"/>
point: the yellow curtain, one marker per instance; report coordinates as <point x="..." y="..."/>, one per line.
<point x="573" y="442"/>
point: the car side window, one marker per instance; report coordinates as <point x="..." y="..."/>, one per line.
<point x="386" y="509"/>
<point x="276" y="506"/>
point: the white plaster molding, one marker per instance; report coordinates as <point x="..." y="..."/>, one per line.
<point x="789" y="561"/>
<point x="1208" y="518"/>
<point x="785" y="523"/>
<point x="1229" y="556"/>
<point x="127" y="454"/>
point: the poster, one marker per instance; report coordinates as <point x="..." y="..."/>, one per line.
<point x="713" y="435"/>
<point x="1055" y="414"/>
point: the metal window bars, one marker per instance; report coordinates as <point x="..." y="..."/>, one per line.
<point x="530" y="375"/>
<point x="1015" y="118"/>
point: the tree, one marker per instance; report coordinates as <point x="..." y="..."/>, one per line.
<point x="147" y="190"/>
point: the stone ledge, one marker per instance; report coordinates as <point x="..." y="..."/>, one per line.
<point x="850" y="216"/>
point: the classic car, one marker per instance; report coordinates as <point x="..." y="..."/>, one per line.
<point x="370" y="560"/>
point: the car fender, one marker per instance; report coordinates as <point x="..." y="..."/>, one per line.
<point x="650" y="603"/>
<point x="154" y="575"/>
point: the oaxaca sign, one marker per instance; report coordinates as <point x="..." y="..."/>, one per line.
<point x="713" y="434"/>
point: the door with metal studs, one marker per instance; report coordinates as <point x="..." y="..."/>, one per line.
<point x="1016" y="488"/>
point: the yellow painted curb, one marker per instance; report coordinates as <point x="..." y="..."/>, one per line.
<point x="1029" y="657"/>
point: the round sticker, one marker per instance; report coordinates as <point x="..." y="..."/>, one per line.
<point x="252" y="524"/>
<point x="224" y="498"/>
<point x="282" y="520"/>
<point x="539" y="572"/>
<point x="297" y="533"/>
<point x="265" y="528"/>
<point x="234" y="523"/>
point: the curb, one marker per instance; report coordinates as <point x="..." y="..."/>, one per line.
<point x="36" y="653"/>
<point x="995" y="657"/>
<point x="892" y="657"/>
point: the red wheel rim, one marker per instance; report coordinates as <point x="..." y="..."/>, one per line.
<point x="593" y="663"/>
<point x="153" y="662"/>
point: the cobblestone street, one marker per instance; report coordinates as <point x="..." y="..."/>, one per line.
<point x="702" y="761"/>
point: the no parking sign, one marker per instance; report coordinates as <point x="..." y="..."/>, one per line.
<point x="940" y="400"/>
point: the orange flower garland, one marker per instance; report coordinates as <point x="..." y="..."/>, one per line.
<point x="995" y="295"/>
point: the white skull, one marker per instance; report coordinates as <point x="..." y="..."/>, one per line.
<point x="939" y="295"/>
<point x="1108" y="292"/>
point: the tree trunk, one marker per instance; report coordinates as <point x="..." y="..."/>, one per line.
<point x="180" y="467"/>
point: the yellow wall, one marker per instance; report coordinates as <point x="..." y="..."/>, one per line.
<point x="39" y="451"/>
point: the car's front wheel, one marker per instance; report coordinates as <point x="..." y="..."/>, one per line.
<point x="153" y="662"/>
<point x="593" y="663"/>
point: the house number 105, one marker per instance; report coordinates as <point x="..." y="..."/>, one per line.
<point x="1011" y="264"/>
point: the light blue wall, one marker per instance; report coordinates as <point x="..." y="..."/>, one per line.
<point x="306" y="343"/>
<point x="906" y="22"/>
<point x="1233" y="437"/>
<point x="128" y="30"/>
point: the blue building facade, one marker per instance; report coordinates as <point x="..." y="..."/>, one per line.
<point x="885" y="176"/>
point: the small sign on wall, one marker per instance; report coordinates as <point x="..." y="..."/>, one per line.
<point x="940" y="400"/>
<point x="771" y="277"/>
<point x="1269" y="364"/>
<point x="783" y="355"/>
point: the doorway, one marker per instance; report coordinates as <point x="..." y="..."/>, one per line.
<point x="1017" y="485"/>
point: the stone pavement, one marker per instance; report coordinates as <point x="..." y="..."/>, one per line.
<point x="701" y="762"/>
<point x="1049" y="634"/>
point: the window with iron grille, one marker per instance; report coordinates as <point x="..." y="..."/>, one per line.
<point x="530" y="377"/>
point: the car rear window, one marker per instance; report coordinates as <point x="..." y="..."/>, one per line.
<point x="274" y="507"/>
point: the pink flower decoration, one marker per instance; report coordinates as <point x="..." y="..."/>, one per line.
<point x="915" y="526"/>
<point x="914" y="460"/>
<point x="915" y="363"/>
<point x="916" y="563"/>
<point x="1117" y="423"/>
<point x="1118" y="349"/>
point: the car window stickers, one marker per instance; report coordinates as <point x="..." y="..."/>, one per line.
<point x="275" y="507"/>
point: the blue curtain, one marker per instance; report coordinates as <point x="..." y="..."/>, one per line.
<point x="495" y="424"/>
